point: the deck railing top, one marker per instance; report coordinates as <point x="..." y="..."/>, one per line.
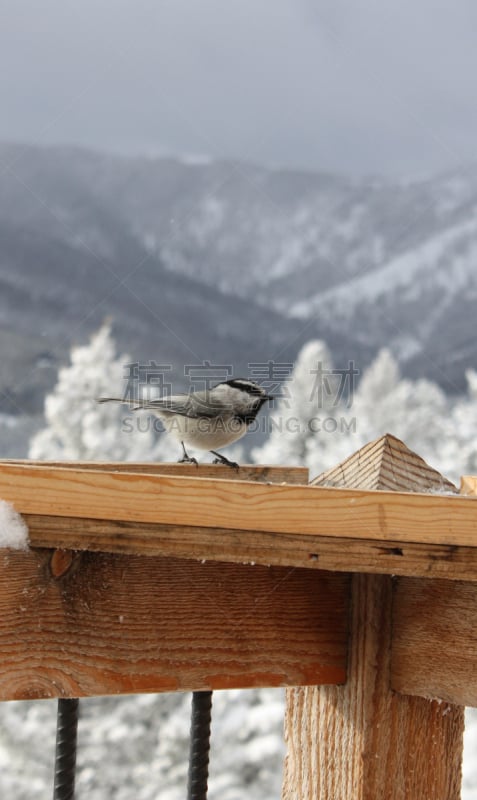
<point x="265" y="515"/>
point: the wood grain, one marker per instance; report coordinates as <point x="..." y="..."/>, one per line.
<point x="109" y="624"/>
<point x="468" y="485"/>
<point x="387" y="464"/>
<point x="362" y="741"/>
<point x="434" y="651"/>
<point x="230" y="505"/>
<point x="277" y="549"/>
<point x="245" y="472"/>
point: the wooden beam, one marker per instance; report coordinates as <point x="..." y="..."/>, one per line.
<point x="362" y="741"/>
<point x="95" y="623"/>
<point x="427" y="614"/>
<point x="434" y="651"/>
<point x="277" y="549"/>
<point x="246" y="472"/>
<point x="231" y="505"/>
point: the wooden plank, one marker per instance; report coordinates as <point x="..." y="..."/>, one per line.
<point x="276" y="549"/>
<point x="435" y="640"/>
<point x="362" y="741"/>
<point x="231" y="505"/>
<point x="246" y="472"/>
<point x="93" y="624"/>
<point x="468" y="485"/>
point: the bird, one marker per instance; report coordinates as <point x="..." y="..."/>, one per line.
<point x="208" y="419"/>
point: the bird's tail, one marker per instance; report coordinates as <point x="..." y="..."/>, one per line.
<point x="110" y="400"/>
<point x="135" y="404"/>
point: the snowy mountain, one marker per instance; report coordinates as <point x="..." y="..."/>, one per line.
<point x="54" y="294"/>
<point x="229" y="262"/>
<point x="69" y="258"/>
<point x="383" y="263"/>
<point x="378" y="262"/>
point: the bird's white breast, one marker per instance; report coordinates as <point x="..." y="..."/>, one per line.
<point x="203" y="432"/>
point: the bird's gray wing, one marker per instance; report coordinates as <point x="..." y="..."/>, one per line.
<point x="176" y="404"/>
<point x="192" y="405"/>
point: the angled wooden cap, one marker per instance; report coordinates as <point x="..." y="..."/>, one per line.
<point x="386" y="464"/>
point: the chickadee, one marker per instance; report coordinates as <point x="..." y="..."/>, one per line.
<point x="208" y="419"/>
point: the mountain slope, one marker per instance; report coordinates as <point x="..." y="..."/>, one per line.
<point x="54" y="294"/>
<point x="230" y="262"/>
<point x="368" y="261"/>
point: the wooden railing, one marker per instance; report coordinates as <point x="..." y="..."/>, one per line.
<point x="152" y="578"/>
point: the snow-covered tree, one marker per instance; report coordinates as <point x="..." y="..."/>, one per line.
<point x="80" y="428"/>
<point x="380" y="379"/>
<point x="321" y="430"/>
<point x="457" y="450"/>
<point x="313" y="425"/>
<point x="412" y="410"/>
<point x="309" y="396"/>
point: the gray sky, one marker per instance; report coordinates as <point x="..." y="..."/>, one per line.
<point x="344" y="85"/>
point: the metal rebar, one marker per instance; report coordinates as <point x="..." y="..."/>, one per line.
<point x="65" y="754"/>
<point x="199" y="746"/>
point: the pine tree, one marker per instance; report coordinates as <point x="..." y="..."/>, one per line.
<point x="80" y="428"/>
<point x="457" y="448"/>
<point x="318" y="428"/>
<point x="309" y="397"/>
<point x="414" y="411"/>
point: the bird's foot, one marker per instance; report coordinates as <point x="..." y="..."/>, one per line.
<point x="220" y="459"/>
<point x="186" y="458"/>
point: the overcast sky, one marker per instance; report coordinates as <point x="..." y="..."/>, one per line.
<point x="355" y="86"/>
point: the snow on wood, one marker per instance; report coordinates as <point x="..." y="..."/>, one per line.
<point x="13" y="529"/>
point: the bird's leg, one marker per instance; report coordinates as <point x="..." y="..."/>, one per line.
<point x="186" y="458"/>
<point x="222" y="460"/>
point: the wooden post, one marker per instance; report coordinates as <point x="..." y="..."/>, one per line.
<point x="362" y="741"/>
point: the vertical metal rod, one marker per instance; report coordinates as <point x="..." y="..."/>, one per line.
<point x="65" y="755"/>
<point x="199" y="746"/>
